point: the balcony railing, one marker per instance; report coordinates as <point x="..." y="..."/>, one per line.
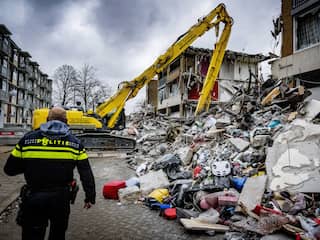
<point x="22" y="84"/>
<point x="22" y="102"/>
<point x="29" y="70"/>
<point x="22" y="64"/>
<point x="32" y="75"/>
<point x="15" y="62"/>
<point x="298" y="3"/>
<point x="29" y="89"/>
<point x="4" y="96"/>
<point x="43" y="83"/>
<point x="4" y="47"/>
<point x="4" y="72"/>
<point x="162" y="81"/>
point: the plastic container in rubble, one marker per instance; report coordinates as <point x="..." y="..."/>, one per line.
<point x="110" y="189"/>
<point x="159" y="194"/>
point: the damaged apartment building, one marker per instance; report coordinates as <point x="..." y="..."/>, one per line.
<point x="299" y="25"/>
<point x="178" y="87"/>
<point x="23" y="87"/>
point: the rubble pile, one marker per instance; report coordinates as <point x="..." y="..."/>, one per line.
<point x="249" y="167"/>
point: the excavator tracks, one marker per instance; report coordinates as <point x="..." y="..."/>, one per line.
<point x="106" y="141"/>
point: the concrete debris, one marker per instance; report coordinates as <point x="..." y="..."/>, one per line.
<point x="185" y="154"/>
<point x="129" y="194"/>
<point x="265" y="225"/>
<point x="312" y="109"/>
<point x="249" y="167"/>
<point x="294" y="167"/>
<point x="153" y="180"/>
<point x="239" y="144"/>
<point x="252" y="192"/>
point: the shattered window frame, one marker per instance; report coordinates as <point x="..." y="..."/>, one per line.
<point x="307" y="29"/>
<point x="173" y="88"/>
<point x="161" y="95"/>
<point x="298" y="3"/>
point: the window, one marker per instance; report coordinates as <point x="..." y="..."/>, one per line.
<point x="308" y="29"/>
<point x="4" y="86"/>
<point x="174" y="65"/>
<point x="15" y="57"/>
<point x="161" y="95"/>
<point x="5" y="44"/>
<point x="173" y="89"/>
<point x="21" y="80"/>
<point x="297" y="3"/>
<point x="4" y="69"/>
<point x="20" y="97"/>
<point x="22" y="62"/>
<point x="14" y="77"/>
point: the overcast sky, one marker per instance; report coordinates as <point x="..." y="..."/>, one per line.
<point x="121" y="38"/>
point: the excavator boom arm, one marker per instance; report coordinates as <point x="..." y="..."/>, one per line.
<point x="128" y="90"/>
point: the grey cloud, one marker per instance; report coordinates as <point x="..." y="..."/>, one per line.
<point x="46" y="14"/>
<point x="40" y="18"/>
<point x="122" y="21"/>
<point x="127" y="35"/>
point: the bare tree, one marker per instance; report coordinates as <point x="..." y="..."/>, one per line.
<point x="99" y="94"/>
<point x="64" y="80"/>
<point x="87" y="83"/>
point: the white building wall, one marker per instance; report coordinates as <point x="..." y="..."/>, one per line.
<point x="226" y="70"/>
<point x="241" y="71"/>
<point x="300" y="62"/>
<point x="171" y="101"/>
<point x="233" y="73"/>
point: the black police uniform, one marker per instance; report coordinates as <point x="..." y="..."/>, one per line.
<point x="47" y="159"/>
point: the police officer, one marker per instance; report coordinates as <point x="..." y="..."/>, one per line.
<point x="47" y="157"/>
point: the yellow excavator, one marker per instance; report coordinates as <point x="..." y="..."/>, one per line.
<point x="110" y="114"/>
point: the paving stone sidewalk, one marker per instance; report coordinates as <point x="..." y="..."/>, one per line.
<point x="9" y="186"/>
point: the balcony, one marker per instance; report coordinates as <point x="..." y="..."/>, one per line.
<point x="29" y="89"/>
<point x="303" y="61"/>
<point x="15" y="62"/>
<point x="22" y="64"/>
<point x="173" y="75"/>
<point x="29" y="70"/>
<point x="4" y="96"/>
<point x="32" y="75"/>
<point x="21" y="84"/>
<point x="43" y="83"/>
<point x="299" y="5"/>
<point x="22" y="67"/>
<point x="4" y="47"/>
<point x="32" y="106"/>
<point x="162" y="82"/>
<point x="4" y="72"/>
<point x="21" y="103"/>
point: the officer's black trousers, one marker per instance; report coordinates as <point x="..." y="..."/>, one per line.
<point x="42" y="207"/>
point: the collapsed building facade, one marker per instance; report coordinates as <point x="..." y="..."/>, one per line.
<point x="178" y="87"/>
<point x="269" y="137"/>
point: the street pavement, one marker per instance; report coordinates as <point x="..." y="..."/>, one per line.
<point x="9" y="187"/>
<point x="108" y="219"/>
